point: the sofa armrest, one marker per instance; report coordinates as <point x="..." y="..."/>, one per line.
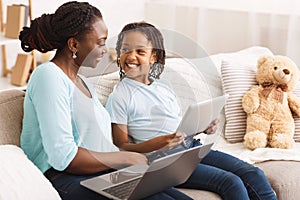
<point x="11" y="109"/>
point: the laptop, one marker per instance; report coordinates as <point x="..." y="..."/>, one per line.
<point x="140" y="181"/>
<point x="198" y="116"/>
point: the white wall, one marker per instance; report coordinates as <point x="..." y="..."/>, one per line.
<point x="231" y="25"/>
<point x="214" y="25"/>
<point x="116" y="14"/>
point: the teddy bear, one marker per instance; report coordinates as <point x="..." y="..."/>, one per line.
<point x="269" y="105"/>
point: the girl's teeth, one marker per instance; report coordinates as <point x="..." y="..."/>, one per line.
<point x="132" y="65"/>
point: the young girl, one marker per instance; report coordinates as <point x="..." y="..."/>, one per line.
<point x="145" y="108"/>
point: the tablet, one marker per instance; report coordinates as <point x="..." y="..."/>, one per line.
<point x="198" y="116"/>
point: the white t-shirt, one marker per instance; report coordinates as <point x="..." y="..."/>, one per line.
<point x="147" y="110"/>
<point x="92" y="122"/>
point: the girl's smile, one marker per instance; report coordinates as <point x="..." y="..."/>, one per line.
<point x="136" y="56"/>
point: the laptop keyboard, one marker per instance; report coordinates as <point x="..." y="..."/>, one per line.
<point x="123" y="190"/>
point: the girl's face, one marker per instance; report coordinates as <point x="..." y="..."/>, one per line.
<point x="92" y="47"/>
<point x="136" y="56"/>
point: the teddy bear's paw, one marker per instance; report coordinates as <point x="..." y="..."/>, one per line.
<point x="250" y="104"/>
<point x="255" y="139"/>
<point x="282" y="141"/>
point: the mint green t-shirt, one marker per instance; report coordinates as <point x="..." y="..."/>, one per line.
<point x="59" y="118"/>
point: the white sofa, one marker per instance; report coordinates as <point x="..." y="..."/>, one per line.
<point x="193" y="80"/>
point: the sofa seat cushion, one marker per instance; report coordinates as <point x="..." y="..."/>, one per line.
<point x="284" y="177"/>
<point x="11" y="109"/>
<point x="285" y="182"/>
<point x="200" y="194"/>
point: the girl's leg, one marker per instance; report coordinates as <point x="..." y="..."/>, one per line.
<point x="225" y="184"/>
<point x="254" y="179"/>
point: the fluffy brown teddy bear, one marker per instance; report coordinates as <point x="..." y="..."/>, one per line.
<point x="269" y="104"/>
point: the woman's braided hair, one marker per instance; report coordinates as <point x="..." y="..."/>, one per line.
<point x="157" y="41"/>
<point x="52" y="31"/>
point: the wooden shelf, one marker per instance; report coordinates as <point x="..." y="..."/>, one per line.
<point x="6" y="85"/>
<point x="5" y="40"/>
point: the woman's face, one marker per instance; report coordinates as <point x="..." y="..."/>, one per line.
<point x="92" y="47"/>
<point x="136" y="56"/>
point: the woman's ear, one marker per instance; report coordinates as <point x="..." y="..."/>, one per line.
<point x="73" y="44"/>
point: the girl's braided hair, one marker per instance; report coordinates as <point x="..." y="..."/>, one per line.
<point x="52" y="31"/>
<point x="157" y="41"/>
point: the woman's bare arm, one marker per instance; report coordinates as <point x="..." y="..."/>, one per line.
<point x="89" y="162"/>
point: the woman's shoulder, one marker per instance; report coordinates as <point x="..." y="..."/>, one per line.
<point x="47" y="68"/>
<point x="47" y="76"/>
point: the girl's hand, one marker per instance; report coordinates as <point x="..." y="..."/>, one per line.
<point x="172" y="140"/>
<point x="212" y="127"/>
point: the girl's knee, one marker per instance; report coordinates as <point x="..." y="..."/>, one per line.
<point x="234" y="181"/>
<point x="257" y="174"/>
<point x="233" y="188"/>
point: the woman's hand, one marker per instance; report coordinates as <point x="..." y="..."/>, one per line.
<point x="172" y="140"/>
<point x="133" y="158"/>
<point x="212" y="127"/>
<point x="89" y="162"/>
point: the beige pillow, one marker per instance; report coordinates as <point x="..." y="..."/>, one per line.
<point x="104" y="85"/>
<point x="237" y="79"/>
<point x="187" y="81"/>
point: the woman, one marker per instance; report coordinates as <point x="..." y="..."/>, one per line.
<point x="145" y="108"/>
<point x="66" y="131"/>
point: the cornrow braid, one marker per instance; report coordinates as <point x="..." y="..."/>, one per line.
<point x="52" y="31"/>
<point x="157" y="41"/>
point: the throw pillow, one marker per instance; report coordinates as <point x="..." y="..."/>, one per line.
<point x="20" y="178"/>
<point x="104" y="85"/>
<point x="187" y="81"/>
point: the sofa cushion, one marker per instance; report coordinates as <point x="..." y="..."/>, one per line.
<point x="200" y="194"/>
<point x="20" y="178"/>
<point x="104" y="85"/>
<point x="285" y="182"/>
<point x="11" y="109"/>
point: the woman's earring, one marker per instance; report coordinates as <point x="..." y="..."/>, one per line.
<point x="74" y="56"/>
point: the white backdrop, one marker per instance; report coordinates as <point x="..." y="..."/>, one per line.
<point x="231" y="25"/>
<point x="215" y="25"/>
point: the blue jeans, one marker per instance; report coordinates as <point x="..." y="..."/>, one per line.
<point x="69" y="188"/>
<point x="230" y="177"/>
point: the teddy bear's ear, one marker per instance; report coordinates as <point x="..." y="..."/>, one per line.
<point x="262" y="60"/>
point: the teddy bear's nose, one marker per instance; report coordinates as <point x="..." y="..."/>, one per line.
<point x="286" y="71"/>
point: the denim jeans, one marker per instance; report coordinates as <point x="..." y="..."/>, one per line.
<point x="69" y="188"/>
<point x="230" y="177"/>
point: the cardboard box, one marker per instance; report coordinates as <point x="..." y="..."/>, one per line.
<point x="15" y="20"/>
<point x="20" y="72"/>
